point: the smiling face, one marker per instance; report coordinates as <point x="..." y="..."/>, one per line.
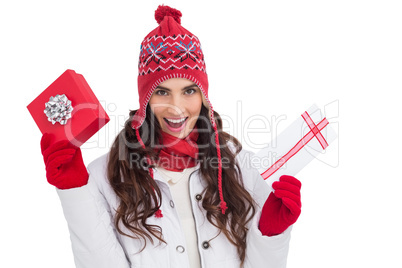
<point x="176" y="104"/>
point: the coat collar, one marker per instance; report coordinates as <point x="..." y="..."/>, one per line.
<point x="158" y="176"/>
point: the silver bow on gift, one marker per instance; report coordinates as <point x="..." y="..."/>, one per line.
<point x="58" y="109"/>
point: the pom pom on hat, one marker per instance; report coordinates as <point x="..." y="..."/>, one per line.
<point x="162" y="11"/>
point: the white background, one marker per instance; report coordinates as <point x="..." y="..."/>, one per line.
<point x="273" y="57"/>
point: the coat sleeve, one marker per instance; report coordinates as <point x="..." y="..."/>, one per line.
<point x="263" y="251"/>
<point x="93" y="237"/>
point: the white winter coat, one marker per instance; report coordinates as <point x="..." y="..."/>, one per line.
<point x="90" y="209"/>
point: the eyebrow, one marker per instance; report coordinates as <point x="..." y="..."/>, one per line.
<point x="187" y="87"/>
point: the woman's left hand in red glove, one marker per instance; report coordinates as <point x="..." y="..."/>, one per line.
<point x="282" y="207"/>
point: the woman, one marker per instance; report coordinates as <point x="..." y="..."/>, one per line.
<point x="174" y="190"/>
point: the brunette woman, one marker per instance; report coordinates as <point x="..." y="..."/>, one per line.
<point x="174" y="190"/>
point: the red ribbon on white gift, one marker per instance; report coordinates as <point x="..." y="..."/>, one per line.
<point x="315" y="131"/>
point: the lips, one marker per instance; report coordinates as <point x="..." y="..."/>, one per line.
<point x="174" y="124"/>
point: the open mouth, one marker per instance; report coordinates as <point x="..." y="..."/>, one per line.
<point x="175" y="123"/>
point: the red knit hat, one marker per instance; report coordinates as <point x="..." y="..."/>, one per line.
<point x="171" y="51"/>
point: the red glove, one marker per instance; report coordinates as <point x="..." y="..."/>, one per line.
<point x="65" y="167"/>
<point x="282" y="207"/>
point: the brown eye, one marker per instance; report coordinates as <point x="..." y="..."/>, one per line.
<point x="160" y="92"/>
<point x="191" y="91"/>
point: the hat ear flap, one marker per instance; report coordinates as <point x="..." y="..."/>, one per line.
<point x="205" y="102"/>
<point x="210" y="110"/>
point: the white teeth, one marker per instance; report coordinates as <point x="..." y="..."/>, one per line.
<point x="176" y="121"/>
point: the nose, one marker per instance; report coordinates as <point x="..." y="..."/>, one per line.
<point x="176" y="106"/>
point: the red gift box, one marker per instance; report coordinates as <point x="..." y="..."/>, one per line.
<point x="87" y="115"/>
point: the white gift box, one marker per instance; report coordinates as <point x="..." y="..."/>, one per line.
<point x="295" y="147"/>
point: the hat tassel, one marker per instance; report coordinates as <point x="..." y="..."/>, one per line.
<point x="158" y="213"/>
<point x="223" y="205"/>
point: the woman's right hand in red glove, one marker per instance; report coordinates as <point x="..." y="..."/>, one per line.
<point x="65" y="167"/>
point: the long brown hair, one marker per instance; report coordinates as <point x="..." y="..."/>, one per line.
<point x="139" y="194"/>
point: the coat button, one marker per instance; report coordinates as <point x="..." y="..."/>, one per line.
<point x="205" y="244"/>
<point x="172" y="203"/>
<point x="198" y="197"/>
<point x="180" y="249"/>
